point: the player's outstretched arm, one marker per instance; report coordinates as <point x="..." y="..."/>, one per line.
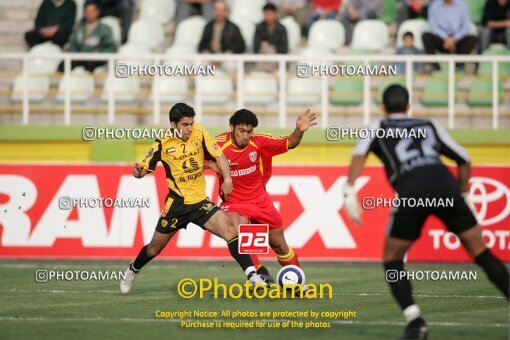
<point x="351" y="203"/>
<point x="139" y="171"/>
<point x="304" y="121"/>
<point x="227" y="186"/>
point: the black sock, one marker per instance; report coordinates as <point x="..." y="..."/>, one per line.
<point x="495" y="270"/>
<point x="400" y="288"/>
<point x="141" y="260"/>
<point x="244" y="260"/>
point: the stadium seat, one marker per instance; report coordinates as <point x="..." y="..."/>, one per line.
<point x="124" y="89"/>
<point x="370" y="34"/>
<point x="44" y="65"/>
<point x="388" y="12"/>
<point x="475" y="9"/>
<point x="485" y="69"/>
<point x="248" y="32"/>
<point x="176" y="51"/>
<point x="80" y="84"/>
<point x="216" y="90"/>
<point x="303" y="91"/>
<point x="133" y="49"/>
<point x="79" y="10"/>
<point x="383" y="85"/>
<point x="417" y="27"/>
<point x="360" y="51"/>
<point x="171" y="89"/>
<point x="326" y="33"/>
<point x="189" y="32"/>
<point x="38" y="88"/>
<point x="247" y="10"/>
<point x="347" y="92"/>
<point x="480" y="93"/>
<point x="147" y="33"/>
<point x="114" y="24"/>
<point x="293" y="31"/>
<point x="160" y="11"/>
<point x="435" y="92"/>
<point x="313" y="54"/>
<point x="260" y="88"/>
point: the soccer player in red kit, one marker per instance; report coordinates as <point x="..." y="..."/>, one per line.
<point x="250" y="157"/>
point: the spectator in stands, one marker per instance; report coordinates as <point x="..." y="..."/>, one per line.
<point x="221" y="35"/>
<point x="412" y="9"/>
<point x="496" y="23"/>
<point x="408" y="48"/>
<point x="270" y="34"/>
<point x="90" y="36"/>
<point x="449" y="27"/>
<point x="54" y="22"/>
<point x="321" y="9"/>
<point x="270" y="37"/>
<point x="122" y="9"/>
<point x="294" y="8"/>
<point x="187" y="8"/>
<point x="357" y="10"/>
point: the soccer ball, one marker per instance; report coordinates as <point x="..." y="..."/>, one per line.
<point x="290" y="275"/>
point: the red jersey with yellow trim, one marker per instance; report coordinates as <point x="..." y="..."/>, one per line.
<point x="250" y="167"/>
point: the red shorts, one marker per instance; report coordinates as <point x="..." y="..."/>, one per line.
<point x="260" y="211"/>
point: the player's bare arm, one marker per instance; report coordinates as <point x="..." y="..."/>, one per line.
<point x="304" y="121"/>
<point x="351" y="203"/>
<point x="212" y="166"/>
<point x="464" y="171"/>
<point x="226" y="187"/>
<point x="139" y="171"/>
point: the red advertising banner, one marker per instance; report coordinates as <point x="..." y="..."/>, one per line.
<point x="79" y="211"/>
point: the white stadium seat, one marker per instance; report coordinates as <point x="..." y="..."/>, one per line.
<point x="147" y="33"/>
<point x="189" y="32"/>
<point x="216" y="90"/>
<point x="161" y="11"/>
<point x="417" y="27"/>
<point x="80" y="84"/>
<point x="293" y="31"/>
<point x="326" y="33"/>
<point x="79" y="9"/>
<point x="303" y="91"/>
<point x="44" y="65"/>
<point x="171" y="89"/>
<point x="38" y="88"/>
<point x="247" y="29"/>
<point x="370" y="34"/>
<point x="114" y="24"/>
<point x="260" y="88"/>
<point x="176" y="51"/>
<point x="124" y="89"/>
<point x="132" y="49"/>
<point x="247" y="10"/>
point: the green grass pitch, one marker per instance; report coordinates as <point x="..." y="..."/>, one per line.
<point x="97" y="310"/>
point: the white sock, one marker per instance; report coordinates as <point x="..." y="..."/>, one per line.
<point x="412" y="312"/>
<point x="250" y="270"/>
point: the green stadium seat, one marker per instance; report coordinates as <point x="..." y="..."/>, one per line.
<point x="480" y="93"/>
<point x="359" y="51"/>
<point x="348" y="92"/>
<point x="475" y="9"/>
<point x="435" y="92"/>
<point x="383" y="85"/>
<point x="389" y="10"/>
<point x="485" y="69"/>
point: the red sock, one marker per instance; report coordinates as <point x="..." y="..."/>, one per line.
<point x="290" y="258"/>
<point x="256" y="261"/>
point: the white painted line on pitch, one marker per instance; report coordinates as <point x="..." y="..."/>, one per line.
<point x="336" y="322"/>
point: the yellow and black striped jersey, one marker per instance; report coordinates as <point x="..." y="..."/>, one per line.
<point x="183" y="162"/>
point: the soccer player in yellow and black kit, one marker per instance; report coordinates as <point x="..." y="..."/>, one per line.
<point x="186" y="201"/>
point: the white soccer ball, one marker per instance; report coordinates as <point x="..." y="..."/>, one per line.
<point x="290" y="275"/>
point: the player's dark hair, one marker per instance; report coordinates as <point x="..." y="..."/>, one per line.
<point x="408" y="34"/>
<point x="269" y="7"/>
<point x="92" y="2"/>
<point x="179" y="111"/>
<point x="395" y="99"/>
<point x="244" y="116"/>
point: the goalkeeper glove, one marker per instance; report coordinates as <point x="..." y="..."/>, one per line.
<point x="351" y="204"/>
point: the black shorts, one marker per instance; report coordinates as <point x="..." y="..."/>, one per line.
<point x="176" y="215"/>
<point x="407" y="222"/>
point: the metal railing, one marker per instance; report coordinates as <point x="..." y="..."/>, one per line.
<point x="283" y="61"/>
